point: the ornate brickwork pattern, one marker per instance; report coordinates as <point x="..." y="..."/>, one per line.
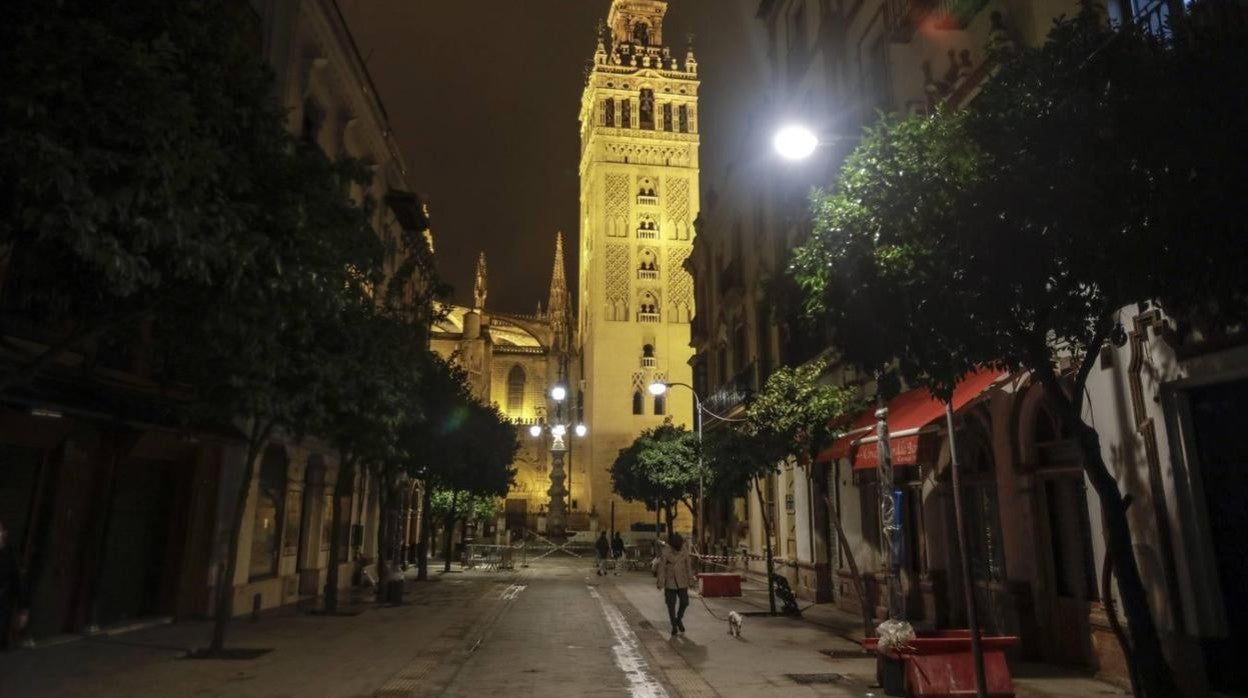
<point x="619" y="205"/>
<point x="679" y="284"/>
<point x="678" y="207"/>
<point x="617" y="272"/>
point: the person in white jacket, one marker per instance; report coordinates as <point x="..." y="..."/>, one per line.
<point x="674" y="576"/>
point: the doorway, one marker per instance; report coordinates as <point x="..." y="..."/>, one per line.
<point x="1217" y="416"/>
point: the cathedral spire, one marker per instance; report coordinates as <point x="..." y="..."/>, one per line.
<point x="479" y="289"/>
<point x="557" y="306"/>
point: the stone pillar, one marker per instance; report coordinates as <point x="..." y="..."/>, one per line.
<point x="557" y="522"/>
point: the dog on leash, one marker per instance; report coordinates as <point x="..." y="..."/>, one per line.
<point x="734" y="623"/>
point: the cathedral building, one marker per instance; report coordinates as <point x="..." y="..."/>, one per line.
<point x="513" y="362"/>
<point x="639" y="198"/>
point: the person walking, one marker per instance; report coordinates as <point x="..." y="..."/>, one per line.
<point x="603" y="549"/>
<point x="675" y="574"/>
<point x="13" y="602"/>
<point x="617" y="550"/>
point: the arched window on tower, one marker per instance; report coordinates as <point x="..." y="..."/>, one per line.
<point x="608" y="112"/>
<point x="667" y="116"/>
<point x="641" y="34"/>
<point x="646" y="113"/>
<point x="684" y="118"/>
<point x="515" y="391"/>
<point x="660" y="405"/>
<point x="626" y="113"/>
<point x="639" y="403"/>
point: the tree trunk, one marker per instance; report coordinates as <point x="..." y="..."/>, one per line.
<point x="771" y="568"/>
<point x="449" y="531"/>
<point x="343" y="486"/>
<point x="1155" y="673"/>
<point x="383" y="535"/>
<point x="426" y="524"/>
<point x="226" y="570"/>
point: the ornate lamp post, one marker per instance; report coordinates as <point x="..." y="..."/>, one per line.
<point x="557" y="516"/>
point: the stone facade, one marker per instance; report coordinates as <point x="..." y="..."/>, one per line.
<point x="639" y="199"/>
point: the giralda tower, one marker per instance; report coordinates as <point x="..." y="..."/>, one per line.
<point x="639" y="198"/>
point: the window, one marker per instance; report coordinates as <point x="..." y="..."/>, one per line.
<point x="515" y="391"/>
<point x="646" y="113"/>
<point x="641" y="34"/>
<point x="639" y="403"/>
<point x="266" y="526"/>
<point x="626" y="113"/>
<point x="660" y="405"/>
<point x="608" y="112"/>
<point x="684" y="118"/>
<point x="667" y="116"/>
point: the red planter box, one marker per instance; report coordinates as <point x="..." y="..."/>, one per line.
<point x="720" y="584"/>
<point x="940" y="664"/>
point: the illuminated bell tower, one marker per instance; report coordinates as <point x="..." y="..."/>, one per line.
<point x="639" y="198"/>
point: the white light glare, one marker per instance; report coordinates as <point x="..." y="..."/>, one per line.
<point x="558" y="393"/>
<point x="558" y="430"/>
<point x="581" y="430"/>
<point x="535" y="431"/>
<point x="795" y="142"/>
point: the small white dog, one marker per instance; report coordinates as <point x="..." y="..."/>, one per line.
<point x="734" y="623"/>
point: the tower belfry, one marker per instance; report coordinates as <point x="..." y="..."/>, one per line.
<point x="639" y="197"/>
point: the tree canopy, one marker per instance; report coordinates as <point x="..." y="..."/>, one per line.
<point x="661" y="468"/>
<point x="1096" y="171"/>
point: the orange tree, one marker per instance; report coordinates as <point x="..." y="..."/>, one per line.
<point x="1099" y="170"/>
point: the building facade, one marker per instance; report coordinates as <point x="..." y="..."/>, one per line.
<point x="120" y="512"/>
<point x="1161" y="395"/>
<point x="513" y="361"/>
<point x="639" y="198"/>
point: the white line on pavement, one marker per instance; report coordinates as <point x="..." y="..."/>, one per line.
<point x="511" y="592"/>
<point x="641" y="684"/>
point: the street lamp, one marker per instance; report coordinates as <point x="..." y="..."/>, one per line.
<point x="535" y="430"/>
<point x="795" y="142"/>
<point x="558" y="433"/>
<point x="581" y="430"/>
<point x="659" y="388"/>
<point x="558" y="393"/>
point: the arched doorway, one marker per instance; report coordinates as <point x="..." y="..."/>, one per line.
<point x="1066" y="577"/>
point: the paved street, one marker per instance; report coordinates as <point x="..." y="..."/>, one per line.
<point x="553" y="629"/>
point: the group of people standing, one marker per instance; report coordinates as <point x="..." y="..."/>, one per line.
<point x="608" y="550"/>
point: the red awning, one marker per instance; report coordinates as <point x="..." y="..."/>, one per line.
<point x="909" y="414"/>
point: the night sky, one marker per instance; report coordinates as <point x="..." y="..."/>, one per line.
<point x="484" y="97"/>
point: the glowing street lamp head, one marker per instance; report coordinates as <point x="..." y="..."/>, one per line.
<point x="558" y="393"/>
<point x="558" y="430"/>
<point x="795" y="142"/>
<point x="657" y="389"/>
<point x="535" y="431"/>
<point x="581" y="430"/>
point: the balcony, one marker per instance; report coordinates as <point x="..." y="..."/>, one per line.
<point x="649" y="362"/>
<point x="647" y="234"/>
<point x="647" y="200"/>
<point x="735" y="392"/>
<point x="647" y="317"/>
<point x="648" y="274"/>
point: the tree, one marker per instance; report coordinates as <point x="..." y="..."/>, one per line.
<point x="251" y="350"/>
<point x="1013" y="231"/>
<point x="740" y="457"/>
<point x="801" y="415"/>
<point x="133" y="140"/>
<point x="662" y="468"/>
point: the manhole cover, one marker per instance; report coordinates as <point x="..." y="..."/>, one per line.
<point x="815" y="679"/>
<point x="847" y="654"/>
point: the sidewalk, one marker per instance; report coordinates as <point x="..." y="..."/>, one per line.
<point x="814" y="656"/>
<point x="353" y="654"/>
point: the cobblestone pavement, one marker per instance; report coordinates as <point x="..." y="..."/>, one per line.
<point x="552" y="629"/>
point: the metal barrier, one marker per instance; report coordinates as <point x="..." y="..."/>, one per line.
<point x="489" y="557"/>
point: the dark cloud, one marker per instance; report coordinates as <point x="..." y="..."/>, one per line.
<point x="484" y="98"/>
